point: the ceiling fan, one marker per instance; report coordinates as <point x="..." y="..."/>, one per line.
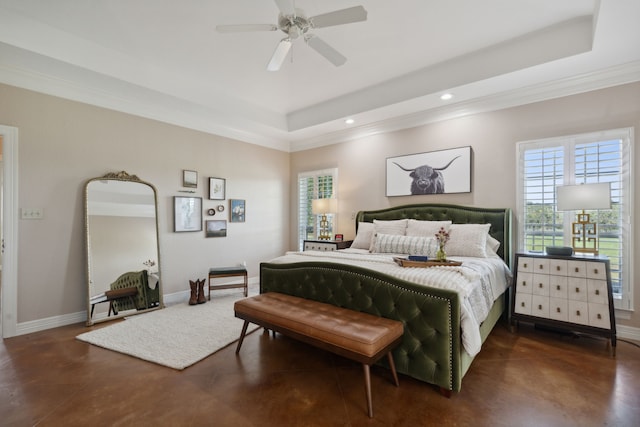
<point x="295" y="24"/>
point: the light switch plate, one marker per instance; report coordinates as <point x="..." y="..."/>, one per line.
<point x="31" y="213"/>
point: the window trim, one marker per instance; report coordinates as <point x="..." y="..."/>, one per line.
<point x="332" y="217"/>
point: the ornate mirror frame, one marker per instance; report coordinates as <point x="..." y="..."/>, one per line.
<point x="136" y="287"/>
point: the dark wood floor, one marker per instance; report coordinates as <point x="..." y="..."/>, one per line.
<point x="528" y="378"/>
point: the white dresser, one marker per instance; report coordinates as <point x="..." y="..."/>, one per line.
<point x="572" y="293"/>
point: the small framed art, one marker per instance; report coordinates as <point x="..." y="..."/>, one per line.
<point x="187" y="213"/>
<point x="189" y="179"/>
<point x="237" y="208"/>
<point x="217" y="188"/>
<point x="216" y="228"/>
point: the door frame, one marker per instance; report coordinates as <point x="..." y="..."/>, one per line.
<point x="9" y="295"/>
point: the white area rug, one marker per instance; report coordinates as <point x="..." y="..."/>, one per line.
<point x="177" y="336"/>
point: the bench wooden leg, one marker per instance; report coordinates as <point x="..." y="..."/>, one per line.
<point x="244" y="331"/>
<point x="367" y="385"/>
<point x="393" y="369"/>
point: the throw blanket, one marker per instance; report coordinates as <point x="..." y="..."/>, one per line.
<point x="478" y="281"/>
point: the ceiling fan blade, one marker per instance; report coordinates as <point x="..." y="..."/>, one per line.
<point x="339" y="17"/>
<point x="279" y="55"/>
<point x="320" y="46"/>
<point x="241" y="28"/>
<point x="286" y="7"/>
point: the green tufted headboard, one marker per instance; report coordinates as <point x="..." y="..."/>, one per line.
<point x="499" y="218"/>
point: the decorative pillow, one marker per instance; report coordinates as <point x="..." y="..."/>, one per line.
<point x="410" y="245"/>
<point x="363" y="238"/>
<point x="467" y="240"/>
<point x="396" y="227"/>
<point x="425" y="228"/>
<point x="492" y="244"/>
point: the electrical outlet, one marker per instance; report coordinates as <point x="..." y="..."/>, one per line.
<point x="31" y="213"/>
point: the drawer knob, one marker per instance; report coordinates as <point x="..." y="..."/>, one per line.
<point x="577" y="270"/>
<point x="525" y="265"/>
<point x="557" y="287"/>
<point x="524" y="283"/>
<point x="599" y="316"/>
<point x="597" y="291"/>
<point x="541" y="266"/>
<point x="577" y="290"/>
<point x="577" y="312"/>
<point x="539" y="306"/>
<point x="557" y="267"/>
<point x="595" y="270"/>
<point x="558" y="309"/>
<point x="540" y="285"/>
<point x="522" y="304"/>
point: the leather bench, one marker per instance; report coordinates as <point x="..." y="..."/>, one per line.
<point x="358" y="336"/>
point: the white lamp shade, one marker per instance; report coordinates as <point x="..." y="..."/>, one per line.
<point x="584" y="196"/>
<point x="324" y="206"/>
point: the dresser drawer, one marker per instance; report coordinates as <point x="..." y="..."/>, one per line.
<point x="596" y="270"/>
<point x="577" y="289"/>
<point x="599" y="316"/>
<point x="523" y="303"/>
<point x="539" y="306"/>
<point x="579" y="312"/>
<point x="525" y="265"/>
<point x="558" y="267"/>
<point x="558" y="287"/>
<point x="559" y="309"/>
<point x="597" y="291"/>
<point x="577" y="269"/>
<point x="524" y="283"/>
<point x="540" y="284"/>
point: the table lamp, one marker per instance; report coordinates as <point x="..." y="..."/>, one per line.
<point x="324" y="207"/>
<point x="584" y="197"/>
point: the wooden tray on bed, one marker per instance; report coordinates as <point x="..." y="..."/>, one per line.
<point x="404" y="262"/>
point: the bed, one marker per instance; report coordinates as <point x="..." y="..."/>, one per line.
<point x="439" y="341"/>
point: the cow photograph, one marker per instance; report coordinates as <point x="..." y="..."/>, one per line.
<point x="435" y="172"/>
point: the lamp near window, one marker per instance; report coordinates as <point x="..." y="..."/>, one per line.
<point x="324" y="207"/>
<point x="584" y="197"/>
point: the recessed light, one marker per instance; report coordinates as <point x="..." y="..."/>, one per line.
<point x="446" y="96"/>
<point x="349" y="121"/>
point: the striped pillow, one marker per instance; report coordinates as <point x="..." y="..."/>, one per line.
<point x="410" y="245"/>
<point x="396" y="226"/>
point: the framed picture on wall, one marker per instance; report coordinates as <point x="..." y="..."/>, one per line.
<point x="435" y="172"/>
<point x="216" y="228"/>
<point x="189" y="179"/>
<point x="237" y="208"/>
<point x="217" y="188"/>
<point x="187" y="213"/>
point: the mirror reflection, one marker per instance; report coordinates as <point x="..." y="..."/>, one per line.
<point x="122" y="247"/>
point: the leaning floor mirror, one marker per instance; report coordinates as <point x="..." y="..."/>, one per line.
<point x="123" y="255"/>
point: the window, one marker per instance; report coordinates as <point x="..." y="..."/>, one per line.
<point x="587" y="158"/>
<point x="314" y="185"/>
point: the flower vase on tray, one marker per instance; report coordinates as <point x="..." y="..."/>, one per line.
<point x="442" y="236"/>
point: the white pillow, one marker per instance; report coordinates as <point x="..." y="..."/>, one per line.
<point x="426" y="228"/>
<point x="396" y="226"/>
<point x="467" y="240"/>
<point x="492" y="244"/>
<point x="363" y="238"/>
<point x="410" y="245"/>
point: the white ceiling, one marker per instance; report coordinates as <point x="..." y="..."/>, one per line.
<point x="164" y="60"/>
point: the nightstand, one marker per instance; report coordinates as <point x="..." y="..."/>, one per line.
<point x="326" y="245"/>
<point x="565" y="292"/>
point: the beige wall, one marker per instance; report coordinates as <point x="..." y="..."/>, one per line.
<point x="492" y="136"/>
<point x="64" y="143"/>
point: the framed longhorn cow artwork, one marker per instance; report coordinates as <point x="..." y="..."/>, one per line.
<point x="435" y="172"/>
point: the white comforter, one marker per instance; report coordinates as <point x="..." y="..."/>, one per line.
<point x="478" y="281"/>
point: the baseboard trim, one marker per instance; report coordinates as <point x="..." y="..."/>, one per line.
<point x="38" y="325"/>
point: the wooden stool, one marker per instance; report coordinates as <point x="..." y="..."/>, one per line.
<point x="219" y="272"/>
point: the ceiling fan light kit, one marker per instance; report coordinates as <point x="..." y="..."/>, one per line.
<point x="295" y="24"/>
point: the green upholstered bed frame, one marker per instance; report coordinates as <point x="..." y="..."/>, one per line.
<point x="431" y="349"/>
